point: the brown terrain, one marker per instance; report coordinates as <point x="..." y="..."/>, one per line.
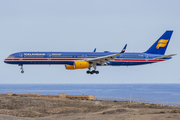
<point x="39" y="108"/>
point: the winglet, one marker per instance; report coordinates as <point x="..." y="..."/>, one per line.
<point x="123" y="50"/>
<point x="94" y="50"/>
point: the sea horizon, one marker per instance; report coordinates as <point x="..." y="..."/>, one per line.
<point x="144" y="92"/>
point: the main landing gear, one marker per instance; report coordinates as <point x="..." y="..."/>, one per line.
<point x="92" y="72"/>
<point x="22" y="71"/>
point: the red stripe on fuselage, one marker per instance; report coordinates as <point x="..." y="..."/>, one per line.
<point x="10" y="59"/>
<point x="155" y="60"/>
<point x="141" y="60"/>
<point x="35" y="59"/>
<point x="67" y="59"/>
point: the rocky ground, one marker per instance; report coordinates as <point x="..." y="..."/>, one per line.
<point x="36" y="108"/>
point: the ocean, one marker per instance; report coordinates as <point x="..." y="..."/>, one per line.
<point x="151" y="93"/>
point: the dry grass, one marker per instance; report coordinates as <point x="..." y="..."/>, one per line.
<point x="34" y="107"/>
<point x="40" y="107"/>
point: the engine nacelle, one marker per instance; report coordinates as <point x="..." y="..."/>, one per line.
<point x="78" y="65"/>
<point x="81" y="64"/>
<point x="70" y="67"/>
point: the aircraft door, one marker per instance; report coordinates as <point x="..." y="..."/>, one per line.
<point x="146" y="57"/>
<point x="49" y="56"/>
<point x="20" y="56"/>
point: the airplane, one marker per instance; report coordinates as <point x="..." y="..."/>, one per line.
<point x="88" y="60"/>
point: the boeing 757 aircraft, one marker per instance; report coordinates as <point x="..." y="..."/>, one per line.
<point x="87" y="60"/>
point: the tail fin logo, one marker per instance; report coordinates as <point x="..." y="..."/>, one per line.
<point x="162" y="43"/>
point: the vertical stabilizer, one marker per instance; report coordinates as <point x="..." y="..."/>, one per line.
<point x="159" y="47"/>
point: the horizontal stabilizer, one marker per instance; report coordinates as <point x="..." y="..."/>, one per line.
<point x="165" y="56"/>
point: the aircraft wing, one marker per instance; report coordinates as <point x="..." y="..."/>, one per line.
<point x="102" y="60"/>
<point x="165" y="56"/>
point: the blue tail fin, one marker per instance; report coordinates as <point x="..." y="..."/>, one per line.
<point x="159" y="47"/>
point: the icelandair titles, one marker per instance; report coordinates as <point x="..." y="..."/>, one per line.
<point x="39" y="54"/>
<point x="34" y="53"/>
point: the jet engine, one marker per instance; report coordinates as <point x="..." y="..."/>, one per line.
<point x="70" y="67"/>
<point x="78" y="65"/>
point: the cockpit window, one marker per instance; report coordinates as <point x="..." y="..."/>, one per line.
<point x="11" y="56"/>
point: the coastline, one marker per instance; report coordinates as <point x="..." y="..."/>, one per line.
<point x="36" y="108"/>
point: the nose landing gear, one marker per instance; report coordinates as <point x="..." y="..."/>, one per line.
<point x="22" y="71"/>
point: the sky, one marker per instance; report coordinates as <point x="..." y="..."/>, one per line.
<point x="82" y="25"/>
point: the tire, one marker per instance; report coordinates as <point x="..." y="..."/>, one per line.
<point x="97" y="72"/>
<point x="91" y="73"/>
<point x="88" y="72"/>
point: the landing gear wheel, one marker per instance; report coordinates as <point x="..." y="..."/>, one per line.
<point x="93" y="71"/>
<point x="22" y="71"/>
<point x="88" y="72"/>
<point x="97" y="72"/>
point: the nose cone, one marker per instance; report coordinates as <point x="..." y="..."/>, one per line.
<point x="5" y="60"/>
